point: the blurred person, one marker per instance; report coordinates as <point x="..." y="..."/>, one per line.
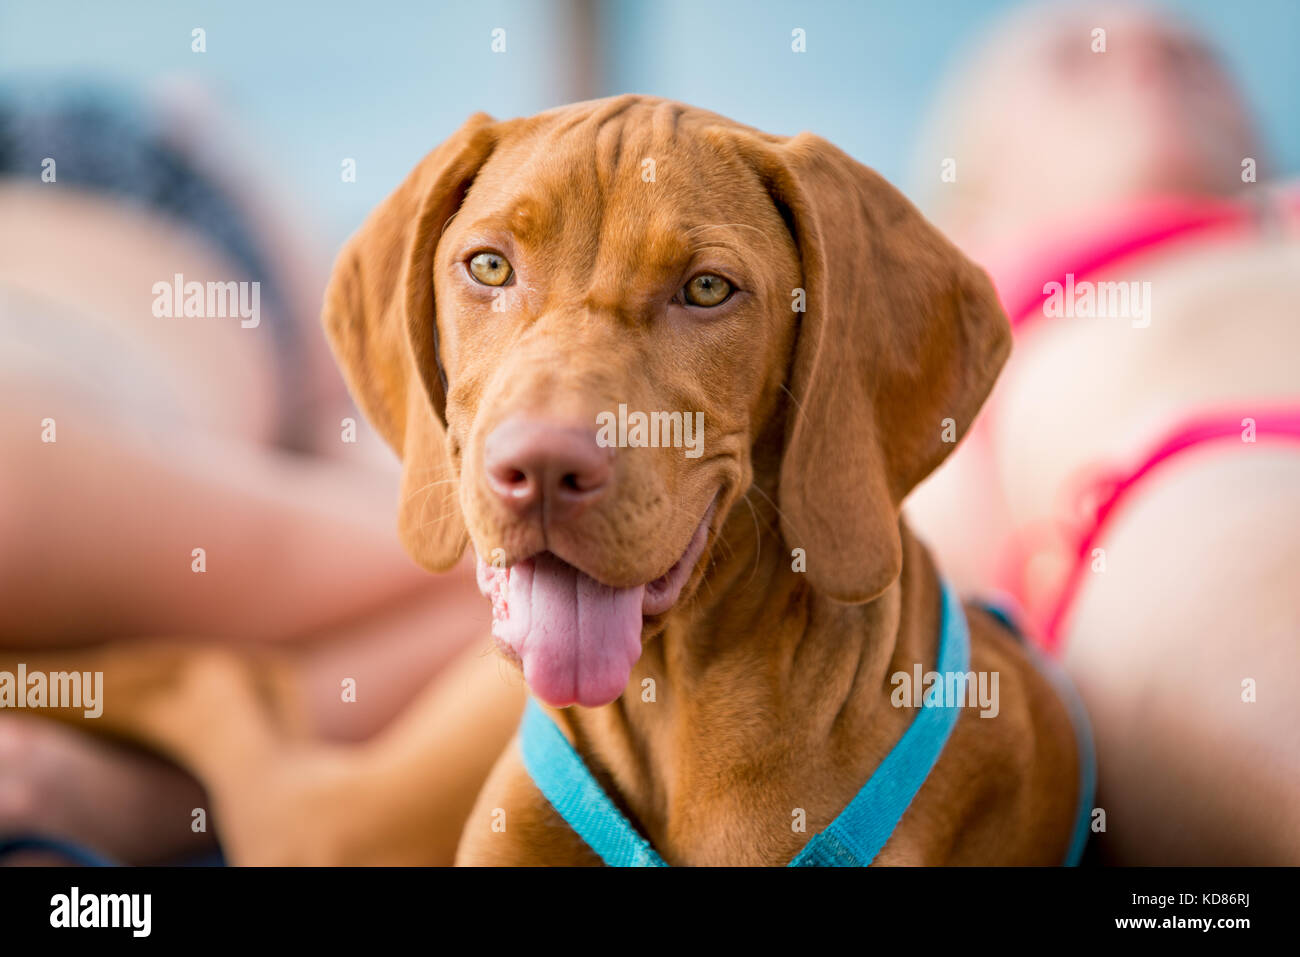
<point x="1134" y="485"/>
<point x="130" y="439"/>
<point x="1001" y="214"/>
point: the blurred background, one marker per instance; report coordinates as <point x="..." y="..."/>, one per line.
<point x="382" y="82"/>
<point x="256" y="158"/>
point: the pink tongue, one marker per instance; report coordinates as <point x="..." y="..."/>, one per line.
<point x="577" y="639"/>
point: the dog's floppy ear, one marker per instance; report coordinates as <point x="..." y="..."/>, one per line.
<point x="379" y="317"/>
<point x="900" y="343"/>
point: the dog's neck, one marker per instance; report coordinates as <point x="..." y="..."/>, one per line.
<point x="756" y="677"/>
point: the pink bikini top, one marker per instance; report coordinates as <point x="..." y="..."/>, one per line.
<point x="1139" y="228"/>
<point x="1109" y="492"/>
<point x="1136" y="228"/>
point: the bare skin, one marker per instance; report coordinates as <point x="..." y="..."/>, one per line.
<point x="867" y="603"/>
<point x="300" y="552"/>
<point x="199" y="474"/>
<point x="125" y="803"/>
<point x="1197" y="595"/>
<point x="277" y="790"/>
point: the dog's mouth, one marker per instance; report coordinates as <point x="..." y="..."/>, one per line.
<point x="576" y="638"/>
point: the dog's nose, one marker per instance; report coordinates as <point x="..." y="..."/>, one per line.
<point x="559" y="469"/>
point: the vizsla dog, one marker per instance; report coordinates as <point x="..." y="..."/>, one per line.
<point x="716" y="633"/>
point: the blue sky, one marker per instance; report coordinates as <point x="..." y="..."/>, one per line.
<point x="383" y="81"/>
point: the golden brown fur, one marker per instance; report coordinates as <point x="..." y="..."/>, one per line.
<point x="771" y="685"/>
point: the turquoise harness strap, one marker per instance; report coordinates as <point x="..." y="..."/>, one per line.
<point x="78" y="854"/>
<point x="1003" y="611"/>
<point x="856" y="836"/>
<point x="1087" y="755"/>
<point x="560" y="774"/>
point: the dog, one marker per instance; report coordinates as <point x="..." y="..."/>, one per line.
<point x="717" y="636"/>
<point x="534" y="274"/>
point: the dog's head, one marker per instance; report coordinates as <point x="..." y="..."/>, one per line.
<point x="576" y="328"/>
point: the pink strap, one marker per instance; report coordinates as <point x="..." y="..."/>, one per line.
<point x="1283" y="424"/>
<point x="1134" y="229"/>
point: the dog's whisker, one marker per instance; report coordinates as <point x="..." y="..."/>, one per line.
<point x="758" y="538"/>
<point x="793" y="398"/>
<point x="439" y="519"/>
<point x="768" y="523"/>
<point x="723" y="550"/>
<point x="430" y="485"/>
<point x="780" y="514"/>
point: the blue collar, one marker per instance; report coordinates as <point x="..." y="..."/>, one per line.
<point x="852" y="840"/>
<point x="856" y="836"/>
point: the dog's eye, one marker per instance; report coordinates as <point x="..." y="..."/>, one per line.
<point x="707" y="289"/>
<point x="491" y="269"/>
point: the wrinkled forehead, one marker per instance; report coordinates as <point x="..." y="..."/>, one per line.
<point x="642" y="181"/>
